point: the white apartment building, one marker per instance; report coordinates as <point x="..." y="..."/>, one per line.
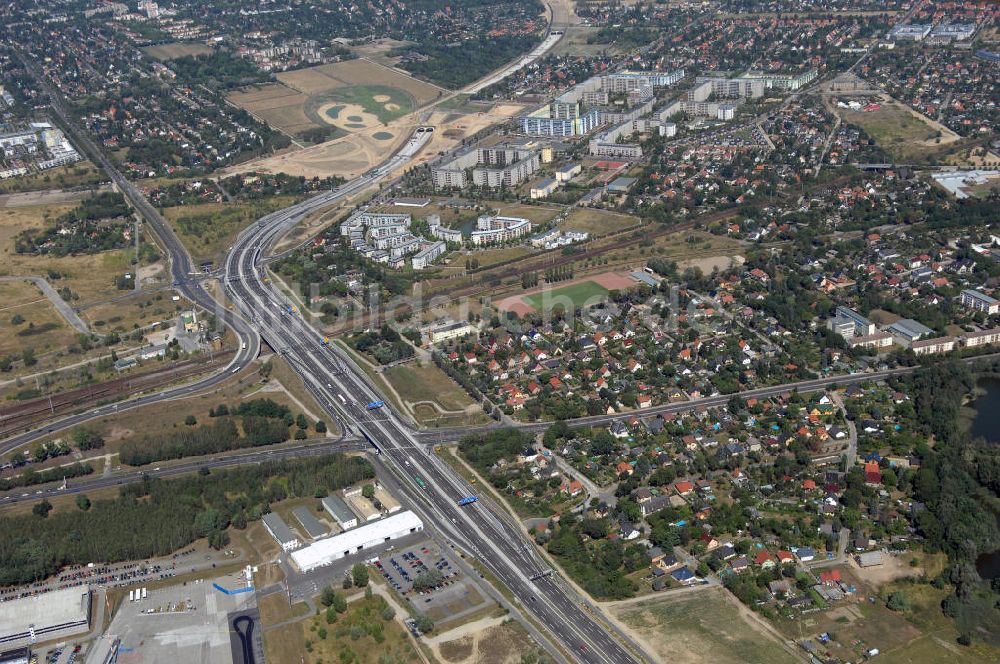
<point x="493" y="230"/>
<point x="979" y="301"/>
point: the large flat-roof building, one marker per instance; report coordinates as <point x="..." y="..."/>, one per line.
<point x="53" y="615"/>
<point x="582" y="109"/>
<point x="933" y="346"/>
<point x="910" y="31"/>
<point x="494" y="230"/>
<point x="981" y="338"/>
<point x="428" y="254"/>
<point x="16" y="656"/>
<point x="862" y="326"/>
<point x="450" y="330"/>
<point x="877" y="340"/>
<point x="327" y="551"/>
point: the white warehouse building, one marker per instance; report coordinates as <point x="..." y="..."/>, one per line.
<point x="325" y="551"/>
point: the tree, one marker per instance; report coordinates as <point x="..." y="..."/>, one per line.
<point x="368" y="491"/>
<point x="326" y="596"/>
<point x="83" y="502"/>
<point x="432" y="578"/>
<point x="301" y="421"/>
<point x="360" y="575"/>
<point x="190" y="420"/>
<point x="331" y="615"/>
<point x="424" y="624"/>
<point x="320" y="426"/>
<point x="42" y="509"/>
<point x="339" y="603"/>
<point x="86" y="438"/>
<point x="897" y="601"/>
<point x="347" y="584"/>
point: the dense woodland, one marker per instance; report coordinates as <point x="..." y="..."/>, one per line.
<point x="156" y="517"/>
<point x="959" y="484"/>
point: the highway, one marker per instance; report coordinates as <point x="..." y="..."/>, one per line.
<point x="340" y="387"/>
<point x="185" y="279"/>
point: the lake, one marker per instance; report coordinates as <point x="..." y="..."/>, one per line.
<point x="986" y="423"/>
<point x="988" y="565"/>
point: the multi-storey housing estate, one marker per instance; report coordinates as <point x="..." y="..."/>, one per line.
<point x="979" y="301"/>
<point x="492" y="230"/>
<point x="493" y="167"/>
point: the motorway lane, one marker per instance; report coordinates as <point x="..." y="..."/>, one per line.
<point x="503" y="549"/>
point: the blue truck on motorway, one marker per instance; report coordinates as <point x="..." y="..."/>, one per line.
<point x="467" y="501"/>
<point x="375" y="404"/>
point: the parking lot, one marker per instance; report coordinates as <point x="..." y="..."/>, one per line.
<point x="401" y="568"/>
<point x="452" y="597"/>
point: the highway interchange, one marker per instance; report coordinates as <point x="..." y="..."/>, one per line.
<point x="402" y="454"/>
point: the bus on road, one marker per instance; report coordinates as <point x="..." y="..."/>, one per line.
<point x="467" y="501"/>
<point x="375" y="404"/>
<point x="420" y="483"/>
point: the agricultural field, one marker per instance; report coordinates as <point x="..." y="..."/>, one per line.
<point x="176" y="50"/>
<point x="702" y="627"/>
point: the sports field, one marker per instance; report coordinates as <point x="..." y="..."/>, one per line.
<point x="176" y="50"/>
<point x="569" y="297"/>
<point x="354" y="96"/>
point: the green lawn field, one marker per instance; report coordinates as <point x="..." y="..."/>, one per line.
<point x="575" y="295"/>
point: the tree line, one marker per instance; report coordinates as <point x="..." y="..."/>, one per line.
<point x="155" y="517"/>
<point x="264" y="422"/>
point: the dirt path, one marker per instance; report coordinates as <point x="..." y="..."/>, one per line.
<point x="48" y="197"/>
<point x="468" y="629"/>
<point x="61" y="306"/>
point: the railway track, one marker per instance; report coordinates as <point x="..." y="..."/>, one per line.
<point x="32" y="413"/>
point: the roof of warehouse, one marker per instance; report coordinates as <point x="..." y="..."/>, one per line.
<point x="279" y="528"/>
<point x="59" y="607"/>
<point x="336" y="506"/>
<point x="323" y="550"/>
